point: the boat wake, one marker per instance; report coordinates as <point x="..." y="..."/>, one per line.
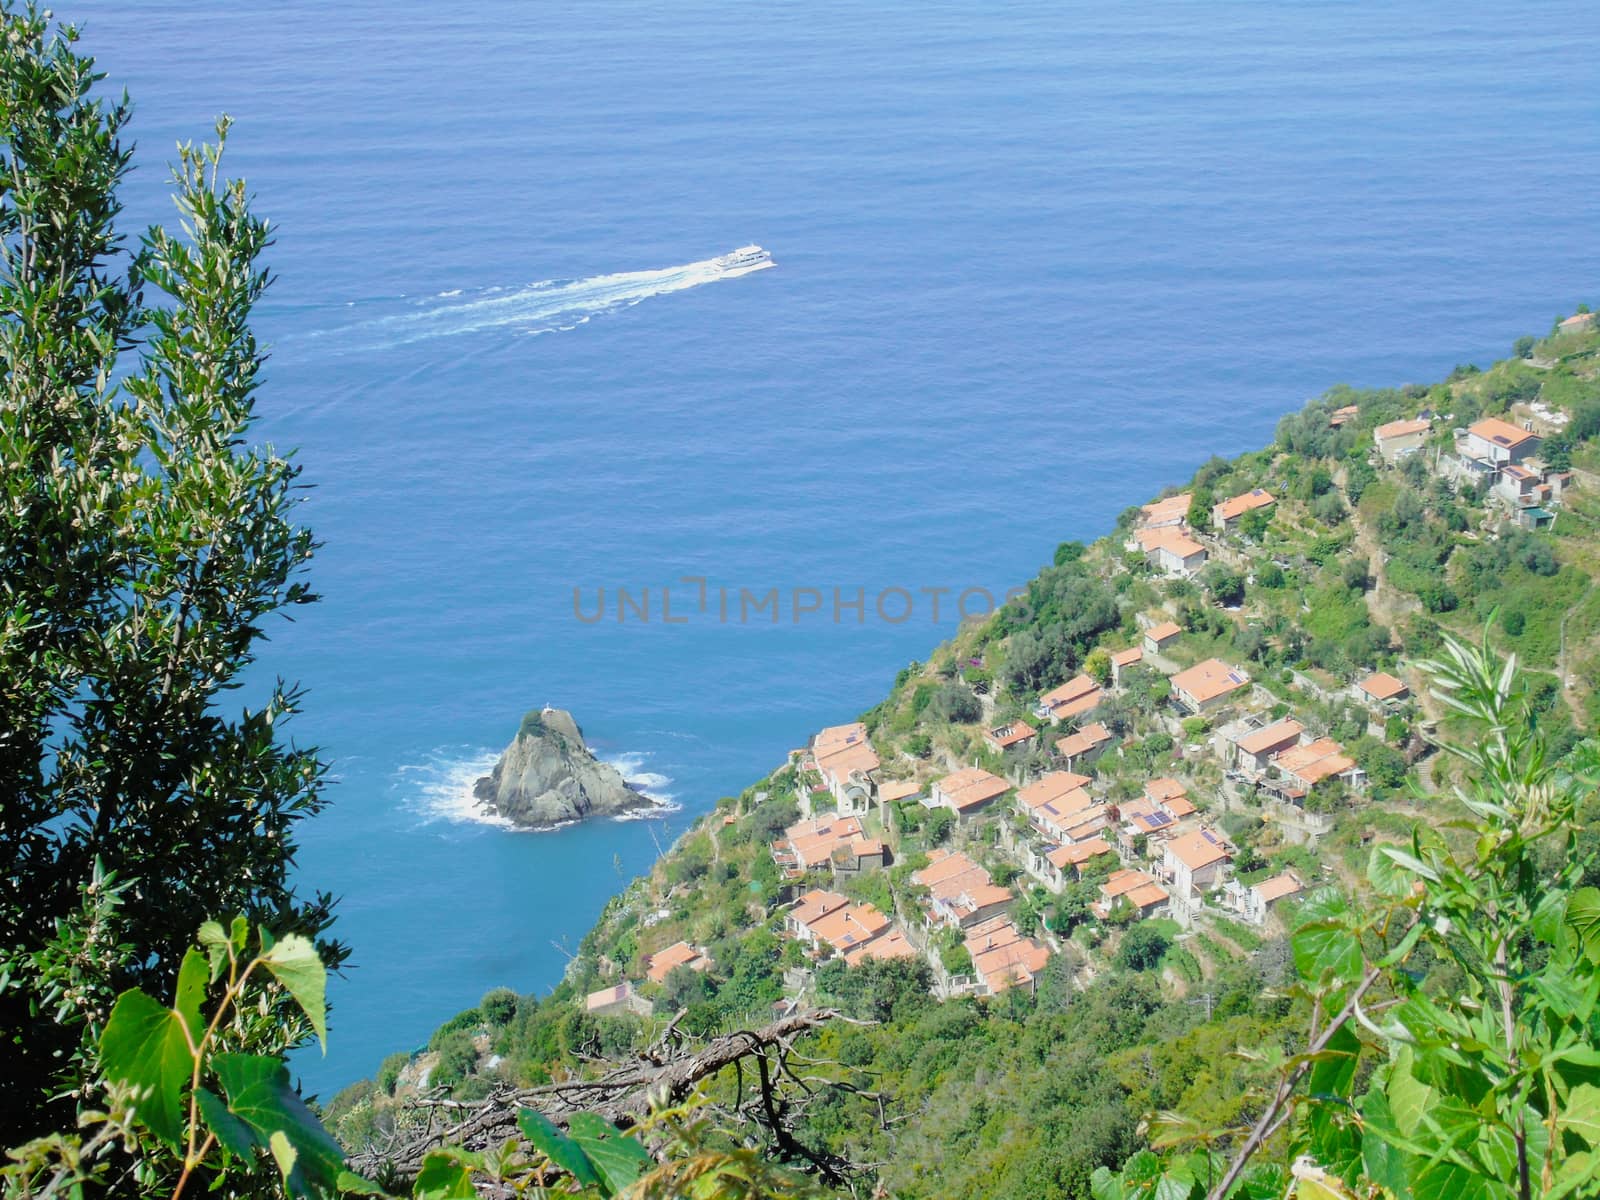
<point x="438" y="790"/>
<point x="550" y="306"/>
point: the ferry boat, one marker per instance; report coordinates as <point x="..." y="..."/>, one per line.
<point x="745" y="258"/>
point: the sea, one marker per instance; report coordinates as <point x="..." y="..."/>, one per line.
<point x="1033" y="262"/>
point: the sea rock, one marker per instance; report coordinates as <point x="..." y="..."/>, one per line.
<point x="548" y="776"/>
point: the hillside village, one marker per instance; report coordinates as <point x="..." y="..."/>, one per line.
<point x="1193" y="768"/>
<point x="1136" y="771"/>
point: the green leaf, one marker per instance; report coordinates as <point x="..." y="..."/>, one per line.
<point x="193" y="974"/>
<point x="1409" y="1097"/>
<point x="1103" y="1185"/>
<point x="294" y="963"/>
<point x="215" y="939"/>
<point x="444" y="1176"/>
<point x="1334" y="1071"/>
<point x="236" y="1137"/>
<point x="1324" y="946"/>
<point x="557" y="1147"/>
<point x="1583" y="922"/>
<point x="619" y="1160"/>
<point x="144" y="1047"/>
<point x="283" y="1154"/>
<point x="1581" y="1113"/>
<point x="351" y="1184"/>
<point x="260" y="1095"/>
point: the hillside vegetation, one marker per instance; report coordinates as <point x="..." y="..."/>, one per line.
<point x="958" y="1079"/>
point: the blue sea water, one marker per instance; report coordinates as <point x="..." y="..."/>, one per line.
<point x="1035" y="261"/>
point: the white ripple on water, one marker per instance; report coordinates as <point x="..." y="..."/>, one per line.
<point x="439" y="788"/>
<point x="549" y="306"/>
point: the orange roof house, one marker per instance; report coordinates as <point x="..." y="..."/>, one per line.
<point x="1138" y="888"/>
<point x="1383" y="688"/>
<point x="969" y="790"/>
<point x="1158" y="637"/>
<point x="1075" y="854"/>
<point x="1017" y="733"/>
<point x="960" y="892"/>
<point x="1226" y="514"/>
<point x="1494" y="443"/>
<point x="1052" y="786"/>
<point x="1397" y="429"/>
<point x="891" y="790"/>
<point x="1343" y="416"/>
<point x="1126" y="658"/>
<point x="1173" y="510"/>
<point x="845" y="759"/>
<point x="1076" y="696"/>
<point x="1085" y="745"/>
<point x="1315" y="762"/>
<point x="680" y="954"/>
<point x="808" y="844"/>
<point x="1264" y="743"/>
<point x="848" y="928"/>
<point x="1002" y="957"/>
<point x="1171" y="550"/>
<point x="1575" y="322"/>
<point x="1194" y="861"/>
<point x="1207" y="685"/>
<point x="886" y="946"/>
<point x="1170" y="795"/>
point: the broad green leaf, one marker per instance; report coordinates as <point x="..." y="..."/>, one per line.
<point x="294" y="963"/>
<point x="144" y="1047"/>
<point x="619" y="1160"/>
<point x="236" y="1137"/>
<point x="1583" y="921"/>
<point x="351" y="1184"/>
<point x="1103" y="1185"/>
<point x="1384" y="1163"/>
<point x="1410" y="862"/>
<point x="239" y="934"/>
<point x="1409" y="1097"/>
<point x="1581" y="1113"/>
<point x="444" y="1176"/>
<point x="1335" y="1068"/>
<point x="1386" y="876"/>
<point x="1324" y="946"/>
<point x="193" y="973"/>
<point x="259" y="1094"/>
<point x="557" y="1147"/>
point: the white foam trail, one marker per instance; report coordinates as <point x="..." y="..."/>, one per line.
<point x="550" y="306"/>
<point x="440" y="787"/>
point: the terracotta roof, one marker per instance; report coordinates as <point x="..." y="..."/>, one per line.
<point x="1173" y="508"/>
<point x="1315" y="761"/>
<point x="1126" y="658"/>
<point x="814" y="840"/>
<point x="949" y="874"/>
<point x="851" y="926"/>
<point x="1002" y="957"/>
<point x="1518" y="472"/>
<point x="1051" y="787"/>
<point x="1160" y="633"/>
<point x="1341" y="415"/>
<point x="679" y="954"/>
<point x="1164" y="789"/>
<point x="1179" y="806"/>
<point x="970" y="787"/>
<point x="898" y="789"/>
<point x="841" y="749"/>
<point x="1243" y="503"/>
<point x="1078" y="852"/>
<point x="1501" y="433"/>
<point x="1277" y="887"/>
<point x="1404" y="428"/>
<point x="889" y="945"/>
<point x="1075" y="688"/>
<point x="1273" y="738"/>
<point x="1169" y="539"/>
<point x="1010" y="735"/>
<point x="1128" y="881"/>
<point x="815" y="905"/>
<point x="1383" y="687"/>
<point x="1199" y="849"/>
<point x="1209" y="679"/>
<point x="1576" y="321"/>
<point x="1090" y="737"/>
<point x="1075" y="808"/>
<point x="866" y="847"/>
<point x="606" y="997"/>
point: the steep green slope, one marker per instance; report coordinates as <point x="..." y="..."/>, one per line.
<point x="1358" y="566"/>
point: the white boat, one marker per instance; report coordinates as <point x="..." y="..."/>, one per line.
<point x="745" y="258"/>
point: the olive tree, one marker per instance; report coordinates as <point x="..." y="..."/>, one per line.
<point x="144" y="542"/>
